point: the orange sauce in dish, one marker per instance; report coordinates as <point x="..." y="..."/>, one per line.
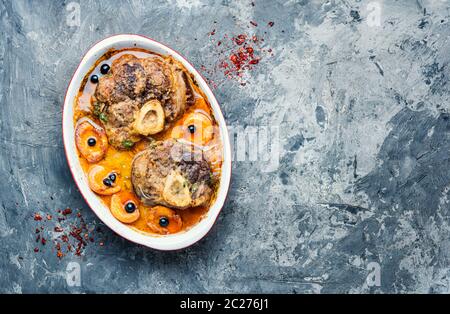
<point x="121" y="160"/>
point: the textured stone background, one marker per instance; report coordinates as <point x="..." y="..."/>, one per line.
<point x="364" y="148"/>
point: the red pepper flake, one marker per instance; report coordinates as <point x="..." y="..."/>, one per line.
<point x="270" y="24"/>
<point x="76" y="234"/>
<point x="49" y="217"/>
<point x="43" y="241"/>
<point x="212" y="33"/>
<point x="37" y="217"/>
<point x="67" y="211"/>
<point x="37" y="230"/>
<point x="60" y="254"/>
<point x="237" y="55"/>
<point x="36" y="249"/>
<point x="240" y="39"/>
<point x="58" y="229"/>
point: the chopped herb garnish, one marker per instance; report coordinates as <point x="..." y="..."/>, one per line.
<point x="102" y="116"/>
<point x="97" y="109"/>
<point x="127" y="144"/>
<point x="195" y="187"/>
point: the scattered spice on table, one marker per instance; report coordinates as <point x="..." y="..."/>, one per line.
<point x="69" y="233"/>
<point x="237" y="54"/>
<point x="67" y="211"/>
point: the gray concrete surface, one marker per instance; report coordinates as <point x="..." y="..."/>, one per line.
<point x="363" y="176"/>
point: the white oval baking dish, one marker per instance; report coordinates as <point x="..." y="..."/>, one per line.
<point x="167" y="242"/>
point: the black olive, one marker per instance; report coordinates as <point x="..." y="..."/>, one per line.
<point x="104" y="69"/>
<point x="130" y="207"/>
<point x="163" y="221"/>
<point x="94" y="79"/>
<point x="107" y="182"/>
<point x="112" y="177"/>
<point x="191" y="128"/>
<point x="91" y="141"/>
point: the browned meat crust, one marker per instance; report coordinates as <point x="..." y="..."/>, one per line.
<point x="134" y="81"/>
<point x="118" y="123"/>
<point x="152" y="168"/>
